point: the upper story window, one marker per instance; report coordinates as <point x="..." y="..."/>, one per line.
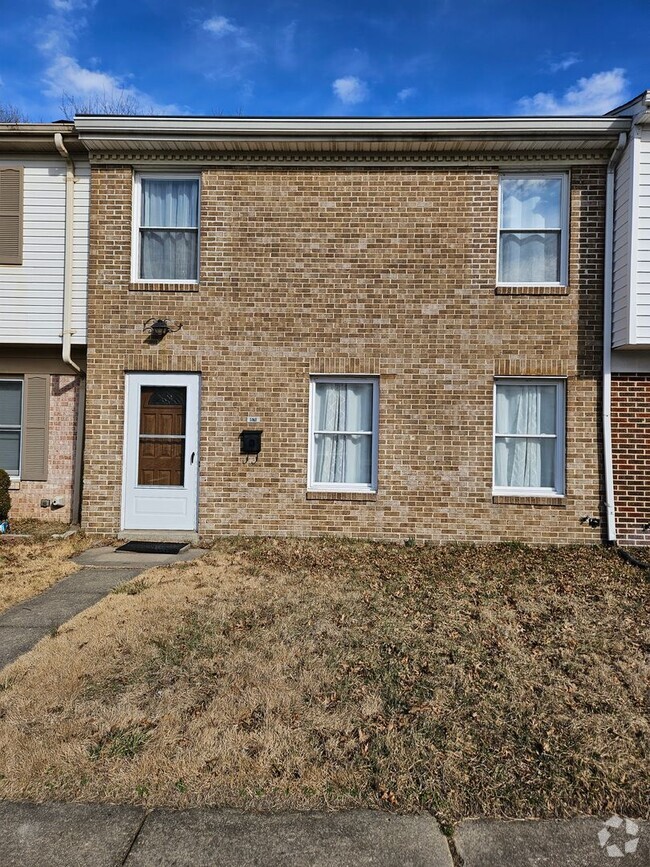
<point x="167" y="226"/>
<point x="343" y="433"/>
<point x="11" y="215"/>
<point x="533" y="229"/>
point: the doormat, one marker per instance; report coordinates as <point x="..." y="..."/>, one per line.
<point x="153" y="547"/>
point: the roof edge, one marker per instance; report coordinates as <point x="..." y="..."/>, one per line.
<point x="150" y="126"/>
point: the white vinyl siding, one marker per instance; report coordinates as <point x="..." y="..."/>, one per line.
<point x="621" y="258"/>
<point x="32" y="293"/>
<point x="642" y="319"/>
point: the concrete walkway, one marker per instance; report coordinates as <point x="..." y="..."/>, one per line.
<point x="22" y="626"/>
<point x="96" y="835"/>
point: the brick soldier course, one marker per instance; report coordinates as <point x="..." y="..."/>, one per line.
<point x="384" y="271"/>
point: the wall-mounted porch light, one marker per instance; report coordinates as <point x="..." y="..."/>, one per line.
<point x="159" y="328"/>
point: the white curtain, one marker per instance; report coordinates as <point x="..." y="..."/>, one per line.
<point x="527" y="257"/>
<point x="343" y="433"/>
<point x="530" y="204"/>
<point x="527" y="460"/>
<point x="169" y="229"/>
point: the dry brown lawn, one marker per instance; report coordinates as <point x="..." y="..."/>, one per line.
<point x="29" y="566"/>
<point x="499" y="681"/>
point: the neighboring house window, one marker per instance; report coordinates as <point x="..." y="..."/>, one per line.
<point x="167" y="225"/>
<point x="11" y="216"/>
<point x="533" y="229"/>
<point x="11" y="417"/>
<point x="343" y="433"/>
<point x="529" y="436"/>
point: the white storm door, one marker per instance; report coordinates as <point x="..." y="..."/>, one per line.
<point x="161" y="452"/>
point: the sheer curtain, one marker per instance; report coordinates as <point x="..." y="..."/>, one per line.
<point x="526" y="436"/>
<point x="169" y="233"/>
<point x="343" y="433"/>
<point x="530" y="258"/>
<point x="530" y="223"/>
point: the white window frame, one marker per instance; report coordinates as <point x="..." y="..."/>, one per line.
<point x="558" y="490"/>
<point x="20" y="427"/>
<point x="311" y="451"/>
<point x="138" y="177"/>
<point x="563" y="176"/>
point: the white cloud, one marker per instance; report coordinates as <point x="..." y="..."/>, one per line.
<point x="406" y="93"/>
<point x="564" y="62"/>
<point x="65" y="76"/>
<point x="220" y="26"/>
<point x="70" y="5"/>
<point x="285" y="45"/>
<point x="350" y="89"/>
<point x="76" y="86"/>
<point x="597" y="94"/>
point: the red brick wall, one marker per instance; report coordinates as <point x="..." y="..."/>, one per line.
<point x="631" y="456"/>
<point x="25" y="499"/>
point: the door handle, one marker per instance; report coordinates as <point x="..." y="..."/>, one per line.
<point x="192" y="458"/>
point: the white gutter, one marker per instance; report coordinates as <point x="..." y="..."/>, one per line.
<point x="66" y="337"/>
<point x="68" y="257"/>
<point x="173" y="127"/>
<point x="607" y="337"/>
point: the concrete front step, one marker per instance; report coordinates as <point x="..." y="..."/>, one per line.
<point x="159" y="536"/>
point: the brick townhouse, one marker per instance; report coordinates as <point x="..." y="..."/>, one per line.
<point x="385" y="328"/>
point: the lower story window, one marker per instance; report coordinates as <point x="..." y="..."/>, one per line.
<point x="11" y="413"/>
<point x="529" y="424"/>
<point x="344" y="416"/>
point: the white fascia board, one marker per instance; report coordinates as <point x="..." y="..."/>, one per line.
<point x="173" y="127"/>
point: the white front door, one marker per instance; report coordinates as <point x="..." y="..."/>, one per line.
<point x="161" y="452"/>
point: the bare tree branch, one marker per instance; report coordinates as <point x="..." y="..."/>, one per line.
<point x="12" y="114"/>
<point x="114" y="102"/>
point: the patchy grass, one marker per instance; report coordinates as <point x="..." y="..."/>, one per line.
<point x="131" y="588"/>
<point x="38" y="529"/>
<point x="29" y="566"/>
<point x="273" y="674"/>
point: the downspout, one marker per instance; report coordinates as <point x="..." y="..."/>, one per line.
<point x="67" y="323"/>
<point x="607" y="337"/>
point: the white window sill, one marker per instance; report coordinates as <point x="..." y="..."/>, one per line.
<point x="533" y="285"/>
<point x="338" y="494"/>
<point x="527" y="492"/>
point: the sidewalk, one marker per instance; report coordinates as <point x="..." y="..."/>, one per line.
<point x="96" y="835"/>
<point x="22" y="626"/>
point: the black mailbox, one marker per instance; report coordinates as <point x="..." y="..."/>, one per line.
<point x="250" y="442"/>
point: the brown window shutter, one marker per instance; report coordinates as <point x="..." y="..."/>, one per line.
<point x="11" y="216"/>
<point x="35" y="428"/>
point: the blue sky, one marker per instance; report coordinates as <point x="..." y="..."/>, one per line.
<point x="286" y="57"/>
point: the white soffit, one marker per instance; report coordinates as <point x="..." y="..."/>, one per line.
<point x="347" y="135"/>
